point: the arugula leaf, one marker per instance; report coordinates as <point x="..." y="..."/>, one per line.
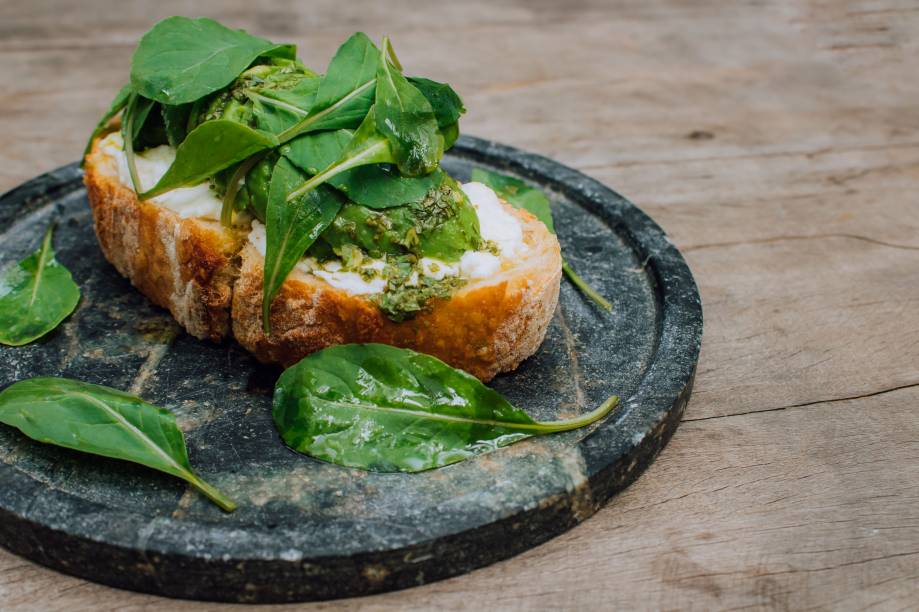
<point x="385" y="409"/>
<point x="367" y="146"/>
<point x="346" y="92"/>
<point x="208" y="149"/>
<point x="445" y="102"/>
<point x="36" y="294"/>
<point x="407" y="120"/>
<point x="181" y="60"/>
<point x="291" y="227"/>
<point x="520" y="195"/>
<point x="117" y="105"/>
<point x="102" y="421"/>
<point x="375" y="186"/>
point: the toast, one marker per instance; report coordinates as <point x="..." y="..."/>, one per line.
<point x="187" y="266"/>
<point x="210" y="278"/>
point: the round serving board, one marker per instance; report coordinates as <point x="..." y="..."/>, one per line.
<point x="310" y="530"/>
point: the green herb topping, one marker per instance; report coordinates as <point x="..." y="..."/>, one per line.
<point x="348" y="157"/>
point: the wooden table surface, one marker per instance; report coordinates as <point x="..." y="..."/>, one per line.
<point x="778" y="145"/>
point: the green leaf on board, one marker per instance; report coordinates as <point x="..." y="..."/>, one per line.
<point x="36" y="294"/>
<point x="117" y="105"/>
<point x="291" y="227"/>
<point x="181" y="60"/>
<point x="405" y="117"/>
<point x="386" y="409"/>
<point x="102" y="421"/>
<point x="208" y="149"/>
<point x="520" y="195"/>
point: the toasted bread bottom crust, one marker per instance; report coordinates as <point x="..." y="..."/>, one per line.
<point x="192" y="267"/>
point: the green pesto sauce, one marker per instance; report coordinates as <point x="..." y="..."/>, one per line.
<point x="408" y="291"/>
<point x="402" y="302"/>
<point x="444" y="225"/>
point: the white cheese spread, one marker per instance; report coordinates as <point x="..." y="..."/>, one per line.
<point x="187" y="202"/>
<point x="495" y="223"/>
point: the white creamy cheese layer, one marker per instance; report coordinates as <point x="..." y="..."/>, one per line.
<point x="495" y="224"/>
<point x="198" y="201"/>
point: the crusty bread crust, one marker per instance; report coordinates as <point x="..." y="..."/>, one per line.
<point x="185" y="265"/>
<point x="210" y="279"/>
<point x="487" y="327"/>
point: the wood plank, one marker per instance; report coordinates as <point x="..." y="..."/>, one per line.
<point x="777" y="143"/>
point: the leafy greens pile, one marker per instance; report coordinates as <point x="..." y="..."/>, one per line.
<point x="293" y="148"/>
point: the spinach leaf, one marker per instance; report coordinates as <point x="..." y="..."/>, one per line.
<point x="445" y="102"/>
<point x="353" y="67"/>
<point x="118" y="104"/>
<point x="291" y="227"/>
<point x="36" y="294"/>
<point x="208" y="149"/>
<point x="181" y="60"/>
<point x="385" y="409"/>
<point x="102" y="421"/>
<point x="520" y="195"/>
<point x="175" y="119"/>
<point x="407" y="120"/>
<point x="277" y="110"/>
<point x="345" y="93"/>
<point x="367" y="146"/>
<point x="376" y="186"/>
<point x="450" y="133"/>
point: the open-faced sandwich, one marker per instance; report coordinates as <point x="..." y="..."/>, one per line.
<point x="252" y="196"/>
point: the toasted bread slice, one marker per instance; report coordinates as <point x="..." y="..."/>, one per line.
<point x="210" y="279"/>
<point x="187" y="266"/>
<point x="488" y="326"/>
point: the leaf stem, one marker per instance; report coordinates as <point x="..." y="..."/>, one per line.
<point x="581" y="421"/>
<point x="226" y="504"/>
<point x="128" y="141"/>
<point x="42" y="261"/>
<point x="589" y="291"/>
<point x="229" y="198"/>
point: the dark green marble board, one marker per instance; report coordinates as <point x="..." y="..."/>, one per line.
<point x="309" y="530"/>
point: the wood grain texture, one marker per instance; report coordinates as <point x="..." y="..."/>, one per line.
<point x="777" y="143"/>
